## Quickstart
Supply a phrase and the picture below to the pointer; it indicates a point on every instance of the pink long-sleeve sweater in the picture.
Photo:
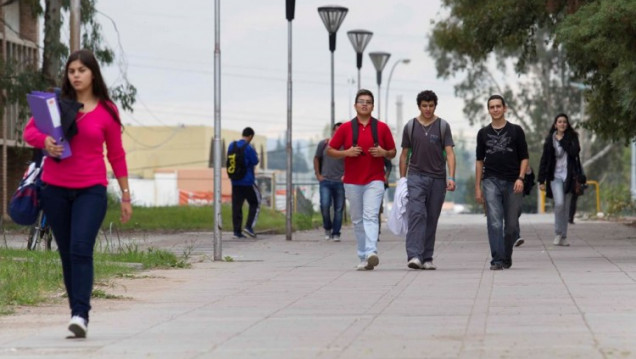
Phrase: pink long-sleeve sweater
(86, 166)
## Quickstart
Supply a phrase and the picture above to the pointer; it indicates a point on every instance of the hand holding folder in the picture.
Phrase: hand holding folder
(46, 114)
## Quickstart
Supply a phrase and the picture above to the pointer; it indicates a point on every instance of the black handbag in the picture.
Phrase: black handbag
(580, 180)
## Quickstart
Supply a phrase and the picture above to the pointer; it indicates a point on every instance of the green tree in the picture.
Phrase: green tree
(18, 79)
(553, 42)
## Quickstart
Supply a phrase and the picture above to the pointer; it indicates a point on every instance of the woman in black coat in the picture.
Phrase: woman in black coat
(557, 168)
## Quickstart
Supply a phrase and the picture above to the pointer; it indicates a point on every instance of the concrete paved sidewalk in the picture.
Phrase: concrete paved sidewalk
(303, 299)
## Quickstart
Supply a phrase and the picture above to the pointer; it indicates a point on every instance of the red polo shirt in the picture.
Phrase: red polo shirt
(365, 168)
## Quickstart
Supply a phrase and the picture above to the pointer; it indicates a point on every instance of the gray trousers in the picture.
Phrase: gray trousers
(426, 197)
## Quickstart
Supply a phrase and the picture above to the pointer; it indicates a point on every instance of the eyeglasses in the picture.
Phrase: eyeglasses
(364, 102)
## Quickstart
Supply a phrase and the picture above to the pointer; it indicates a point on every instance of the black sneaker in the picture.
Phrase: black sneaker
(497, 266)
(238, 235)
(249, 232)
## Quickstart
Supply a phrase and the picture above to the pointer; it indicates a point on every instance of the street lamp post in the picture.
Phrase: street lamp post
(332, 17)
(388, 84)
(379, 60)
(290, 7)
(359, 39)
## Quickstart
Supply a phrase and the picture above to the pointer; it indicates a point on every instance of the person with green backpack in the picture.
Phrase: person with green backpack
(427, 148)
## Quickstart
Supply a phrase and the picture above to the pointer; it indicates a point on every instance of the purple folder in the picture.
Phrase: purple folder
(46, 113)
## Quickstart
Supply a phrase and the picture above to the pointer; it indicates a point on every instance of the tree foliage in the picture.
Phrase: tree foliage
(549, 43)
(19, 79)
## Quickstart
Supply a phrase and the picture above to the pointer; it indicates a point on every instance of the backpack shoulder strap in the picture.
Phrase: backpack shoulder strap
(374, 131)
(442, 131)
(409, 130)
(354, 131)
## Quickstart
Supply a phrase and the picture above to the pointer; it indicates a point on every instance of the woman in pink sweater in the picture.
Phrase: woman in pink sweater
(73, 194)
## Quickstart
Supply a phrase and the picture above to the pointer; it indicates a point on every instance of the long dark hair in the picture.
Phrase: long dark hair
(568, 131)
(100, 90)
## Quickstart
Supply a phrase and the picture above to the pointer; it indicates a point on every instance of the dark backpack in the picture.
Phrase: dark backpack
(25, 205)
(374, 131)
(235, 163)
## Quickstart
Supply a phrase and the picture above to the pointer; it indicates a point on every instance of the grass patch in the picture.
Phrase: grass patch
(190, 218)
(32, 277)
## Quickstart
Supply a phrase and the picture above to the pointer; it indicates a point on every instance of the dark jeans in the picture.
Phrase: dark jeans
(332, 192)
(239, 195)
(502, 212)
(572, 208)
(75, 216)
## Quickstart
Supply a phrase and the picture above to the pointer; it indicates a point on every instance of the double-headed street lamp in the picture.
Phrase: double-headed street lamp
(379, 60)
(388, 83)
(359, 39)
(332, 17)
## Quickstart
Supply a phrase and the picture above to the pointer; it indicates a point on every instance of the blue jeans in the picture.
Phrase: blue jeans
(502, 213)
(75, 216)
(332, 192)
(426, 197)
(365, 203)
(561, 207)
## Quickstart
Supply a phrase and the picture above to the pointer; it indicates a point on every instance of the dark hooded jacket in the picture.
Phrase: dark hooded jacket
(569, 143)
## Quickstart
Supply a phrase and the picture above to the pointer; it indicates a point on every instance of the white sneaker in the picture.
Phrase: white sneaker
(519, 242)
(429, 266)
(564, 243)
(414, 263)
(78, 326)
(557, 240)
(364, 265)
(327, 234)
(373, 260)
(336, 238)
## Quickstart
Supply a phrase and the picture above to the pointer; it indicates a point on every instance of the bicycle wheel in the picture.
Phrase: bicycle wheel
(47, 236)
(35, 233)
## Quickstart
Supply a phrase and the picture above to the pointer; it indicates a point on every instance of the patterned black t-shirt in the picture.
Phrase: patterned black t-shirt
(502, 151)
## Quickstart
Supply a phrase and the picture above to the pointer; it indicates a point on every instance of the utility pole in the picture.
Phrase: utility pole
(75, 25)
(218, 219)
(290, 8)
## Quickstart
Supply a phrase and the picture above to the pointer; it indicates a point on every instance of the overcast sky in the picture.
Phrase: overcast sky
(168, 48)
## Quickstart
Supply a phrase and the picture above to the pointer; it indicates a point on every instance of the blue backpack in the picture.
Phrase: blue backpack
(25, 205)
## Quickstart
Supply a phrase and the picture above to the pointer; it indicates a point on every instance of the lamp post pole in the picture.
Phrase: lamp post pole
(388, 84)
(290, 6)
(332, 17)
(218, 221)
(75, 25)
(359, 39)
(379, 60)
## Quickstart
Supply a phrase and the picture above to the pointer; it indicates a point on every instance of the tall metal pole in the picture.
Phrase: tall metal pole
(633, 170)
(333, 101)
(379, 60)
(290, 7)
(359, 40)
(332, 17)
(388, 84)
(218, 219)
(75, 25)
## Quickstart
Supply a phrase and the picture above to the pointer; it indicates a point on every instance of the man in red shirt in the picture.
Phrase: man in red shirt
(364, 173)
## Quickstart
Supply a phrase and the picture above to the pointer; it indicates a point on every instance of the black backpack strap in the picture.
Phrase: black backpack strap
(374, 131)
(354, 131)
